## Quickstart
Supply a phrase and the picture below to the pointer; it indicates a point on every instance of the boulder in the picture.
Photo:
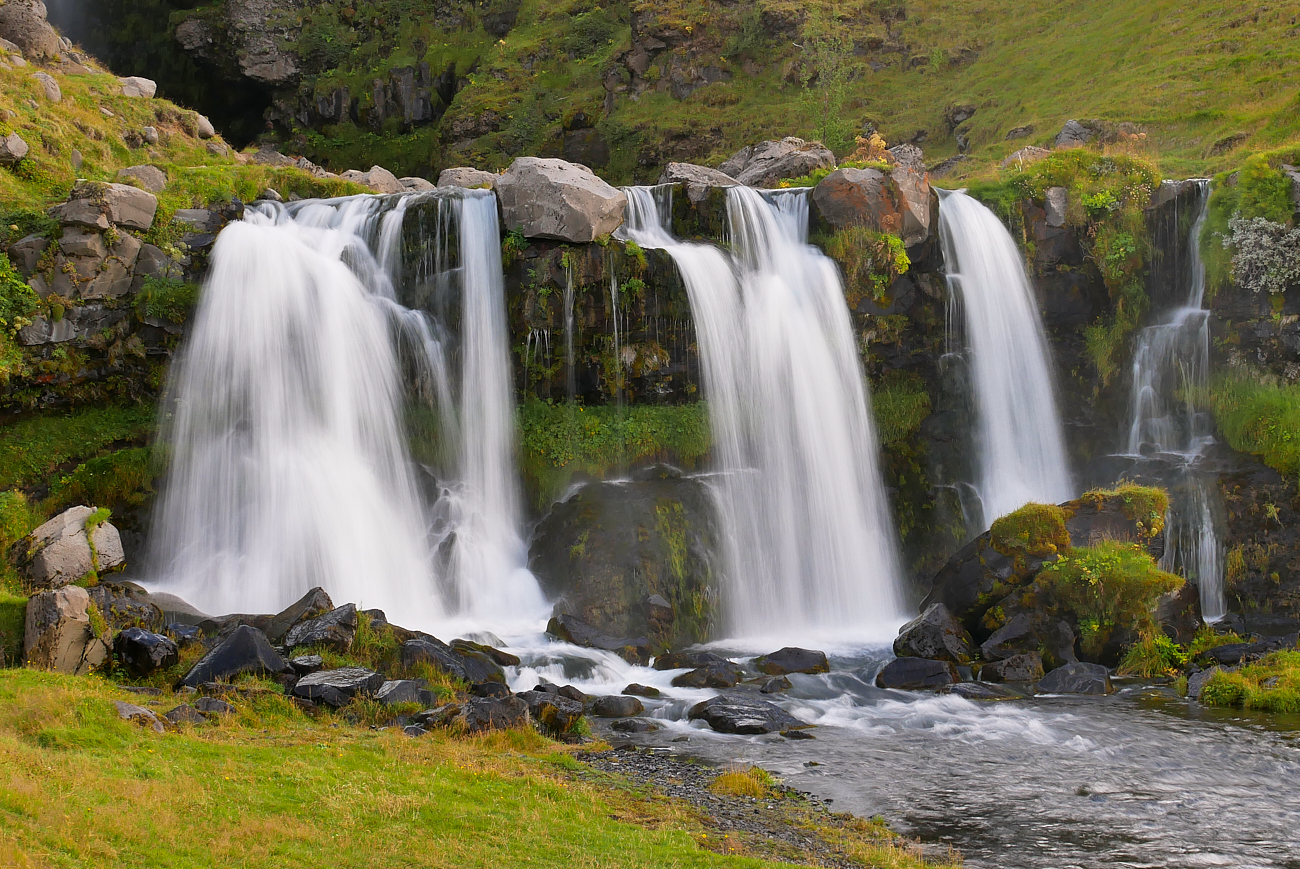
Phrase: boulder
(245, 650)
(185, 714)
(213, 706)
(83, 242)
(23, 23)
(765, 164)
(549, 198)
(501, 658)
(1026, 667)
(1056, 200)
(490, 689)
(311, 605)
(305, 665)
(745, 714)
(464, 176)
(58, 634)
(1073, 135)
(860, 197)
(203, 127)
(691, 658)
(377, 179)
(335, 630)
(697, 179)
(554, 712)
(775, 685)
(634, 725)
(634, 559)
(934, 634)
(50, 86)
(616, 706)
(138, 86)
(917, 203)
(916, 674)
(1025, 156)
(636, 690)
(478, 666)
(139, 715)
(405, 691)
(26, 253)
(1233, 654)
(150, 136)
(1076, 678)
(1196, 682)
(573, 630)
(792, 660)
(981, 691)
(12, 149)
(125, 205)
(58, 552)
(723, 675)
(338, 688)
(144, 652)
(1179, 613)
(185, 635)
(416, 185)
(440, 716)
(482, 714)
(434, 652)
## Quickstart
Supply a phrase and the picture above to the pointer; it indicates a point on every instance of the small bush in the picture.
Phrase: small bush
(1208, 638)
(1153, 655)
(900, 402)
(743, 782)
(1266, 254)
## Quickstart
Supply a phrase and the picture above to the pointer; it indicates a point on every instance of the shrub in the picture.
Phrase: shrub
(17, 304)
(1107, 586)
(1153, 655)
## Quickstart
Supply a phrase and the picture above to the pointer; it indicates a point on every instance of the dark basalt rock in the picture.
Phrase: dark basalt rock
(637, 690)
(691, 658)
(481, 714)
(792, 660)
(634, 725)
(463, 663)
(797, 734)
(1026, 667)
(314, 603)
(184, 635)
(440, 716)
(478, 666)
(125, 605)
(213, 706)
(185, 714)
(574, 630)
(1076, 678)
(553, 712)
(573, 694)
(1196, 682)
(405, 691)
(144, 652)
(935, 634)
(503, 659)
(245, 650)
(916, 674)
(745, 714)
(981, 691)
(1232, 654)
(490, 689)
(616, 706)
(305, 665)
(339, 687)
(775, 685)
(723, 675)
(335, 630)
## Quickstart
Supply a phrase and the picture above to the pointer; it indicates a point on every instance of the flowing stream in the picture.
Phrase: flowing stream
(809, 541)
(1020, 448)
(1171, 366)
(287, 429)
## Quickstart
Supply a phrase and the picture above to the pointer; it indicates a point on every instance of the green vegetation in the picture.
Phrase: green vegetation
(558, 441)
(168, 299)
(871, 261)
(18, 302)
(900, 402)
(751, 781)
(1110, 585)
(1258, 415)
(32, 447)
(1034, 529)
(1146, 506)
(13, 620)
(1208, 638)
(119, 480)
(1270, 685)
(1152, 656)
(1258, 189)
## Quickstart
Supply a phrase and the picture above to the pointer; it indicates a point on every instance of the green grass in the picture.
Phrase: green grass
(13, 619)
(1258, 415)
(1153, 655)
(1034, 529)
(558, 441)
(33, 447)
(900, 402)
(1271, 685)
(271, 786)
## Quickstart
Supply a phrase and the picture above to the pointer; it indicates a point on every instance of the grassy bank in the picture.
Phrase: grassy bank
(1257, 415)
(271, 786)
(1270, 685)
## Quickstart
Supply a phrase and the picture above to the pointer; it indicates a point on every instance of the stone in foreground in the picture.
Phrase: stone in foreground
(335, 630)
(792, 660)
(1076, 678)
(245, 650)
(144, 652)
(720, 675)
(615, 706)
(481, 714)
(338, 688)
(554, 712)
(58, 552)
(58, 634)
(916, 674)
(934, 634)
(139, 715)
(1026, 667)
(744, 714)
(766, 163)
(548, 198)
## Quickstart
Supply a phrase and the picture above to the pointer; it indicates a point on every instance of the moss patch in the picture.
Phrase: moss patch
(1146, 506)
(1034, 529)
(1271, 685)
(900, 403)
(1258, 415)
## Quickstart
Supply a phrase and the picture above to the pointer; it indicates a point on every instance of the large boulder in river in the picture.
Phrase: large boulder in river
(792, 660)
(936, 634)
(570, 629)
(745, 714)
(1076, 678)
(544, 197)
(59, 634)
(58, 552)
(916, 674)
(634, 558)
(767, 163)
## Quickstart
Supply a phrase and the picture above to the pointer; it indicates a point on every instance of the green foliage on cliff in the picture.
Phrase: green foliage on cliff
(17, 304)
(1258, 415)
(1257, 188)
(1270, 685)
(168, 299)
(900, 403)
(870, 261)
(119, 480)
(559, 441)
(32, 447)
(1145, 506)
(1111, 585)
(1034, 529)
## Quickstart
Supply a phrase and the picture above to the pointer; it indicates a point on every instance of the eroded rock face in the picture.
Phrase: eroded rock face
(1026, 667)
(58, 633)
(767, 163)
(699, 180)
(58, 552)
(481, 714)
(899, 201)
(548, 198)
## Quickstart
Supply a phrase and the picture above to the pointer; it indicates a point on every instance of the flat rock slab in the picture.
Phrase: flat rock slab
(338, 688)
(742, 713)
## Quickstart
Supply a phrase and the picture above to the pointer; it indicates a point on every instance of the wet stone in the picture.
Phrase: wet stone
(916, 674)
(617, 706)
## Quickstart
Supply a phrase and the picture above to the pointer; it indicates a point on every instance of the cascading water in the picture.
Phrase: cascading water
(808, 536)
(1171, 364)
(288, 460)
(1021, 450)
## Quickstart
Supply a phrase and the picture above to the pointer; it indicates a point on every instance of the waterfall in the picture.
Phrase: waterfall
(289, 463)
(809, 541)
(1019, 442)
(1171, 364)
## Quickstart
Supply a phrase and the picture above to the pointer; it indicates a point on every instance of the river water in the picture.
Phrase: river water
(1142, 778)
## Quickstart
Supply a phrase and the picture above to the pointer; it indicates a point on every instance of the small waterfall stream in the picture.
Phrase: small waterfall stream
(1020, 447)
(810, 546)
(289, 461)
(1171, 365)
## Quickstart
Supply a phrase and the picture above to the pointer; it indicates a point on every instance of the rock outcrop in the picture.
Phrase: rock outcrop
(464, 176)
(23, 22)
(245, 650)
(768, 163)
(548, 198)
(937, 634)
(60, 634)
(59, 552)
(698, 180)
(898, 201)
